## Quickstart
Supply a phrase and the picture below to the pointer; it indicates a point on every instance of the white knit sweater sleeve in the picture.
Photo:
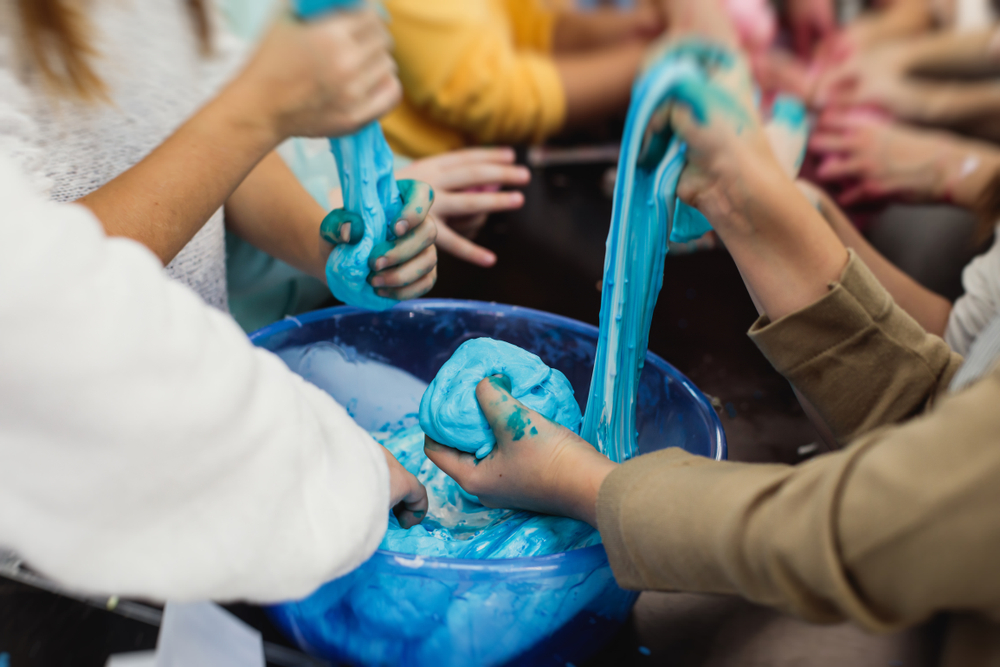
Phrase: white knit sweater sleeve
(980, 303)
(146, 448)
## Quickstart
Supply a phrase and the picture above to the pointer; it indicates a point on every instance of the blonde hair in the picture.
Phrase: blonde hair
(58, 40)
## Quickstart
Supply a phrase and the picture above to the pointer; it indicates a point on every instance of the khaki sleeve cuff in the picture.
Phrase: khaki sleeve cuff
(860, 359)
(851, 305)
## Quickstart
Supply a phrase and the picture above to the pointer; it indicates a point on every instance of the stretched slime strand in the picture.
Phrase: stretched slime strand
(365, 165)
(645, 213)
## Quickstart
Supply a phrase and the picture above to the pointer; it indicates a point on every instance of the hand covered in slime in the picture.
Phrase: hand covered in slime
(405, 267)
(450, 415)
(536, 465)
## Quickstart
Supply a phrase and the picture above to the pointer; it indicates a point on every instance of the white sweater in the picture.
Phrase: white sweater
(156, 77)
(146, 448)
(980, 304)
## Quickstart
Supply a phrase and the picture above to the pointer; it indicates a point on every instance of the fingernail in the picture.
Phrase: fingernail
(376, 259)
(345, 232)
(401, 227)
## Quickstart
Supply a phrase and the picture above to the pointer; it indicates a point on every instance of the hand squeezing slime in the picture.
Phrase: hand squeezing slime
(450, 413)
(371, 197)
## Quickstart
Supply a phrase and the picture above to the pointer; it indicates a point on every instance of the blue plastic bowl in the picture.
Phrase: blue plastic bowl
(399, 609)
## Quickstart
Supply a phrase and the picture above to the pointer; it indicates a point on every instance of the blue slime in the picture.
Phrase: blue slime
(365, 165)
(450, 413)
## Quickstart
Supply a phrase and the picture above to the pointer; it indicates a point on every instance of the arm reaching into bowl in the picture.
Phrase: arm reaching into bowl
(154, 451)
(886, 532)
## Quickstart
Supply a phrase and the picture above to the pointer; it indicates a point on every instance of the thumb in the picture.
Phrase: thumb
(342, 226)
(453, 462)
(506, 415)
(455, 244)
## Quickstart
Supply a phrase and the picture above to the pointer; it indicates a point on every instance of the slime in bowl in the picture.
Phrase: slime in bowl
(401, 609)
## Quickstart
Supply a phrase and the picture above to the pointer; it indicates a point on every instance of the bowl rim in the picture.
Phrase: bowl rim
(569, 562)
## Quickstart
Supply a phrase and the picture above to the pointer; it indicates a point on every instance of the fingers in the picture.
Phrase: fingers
(862, 192)
(467, 156)
(342, 226)
(414, 290)
(832, 142)
(467, 226)
(381, 100)
(388, 254)
(458, 465)
(837, 168)
(412, 509)
(449, 241)
(507, 417)
(456, 204)
(390, 281)
(417, 200)
(476, 174)
(407, 496)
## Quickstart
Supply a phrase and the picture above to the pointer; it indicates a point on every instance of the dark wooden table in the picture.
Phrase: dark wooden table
(551, 258)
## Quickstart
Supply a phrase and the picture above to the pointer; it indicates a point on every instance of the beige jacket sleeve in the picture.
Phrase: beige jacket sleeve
(860, 359)
(903, 523)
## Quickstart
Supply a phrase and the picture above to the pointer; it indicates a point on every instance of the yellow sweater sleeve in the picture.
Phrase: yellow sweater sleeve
(461, 66)
(533, 24)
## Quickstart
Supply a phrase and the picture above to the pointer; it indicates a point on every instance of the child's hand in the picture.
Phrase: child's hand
(325, 78)
(873, 78)
(405, 268)
(536, 465)
(467, 183)
(407, 496)
(879, 159)
(728, 149)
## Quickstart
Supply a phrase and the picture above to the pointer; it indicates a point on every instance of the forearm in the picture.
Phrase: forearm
(599, 83)
(786, 254)
(581, 31)
(165, 199)
(878, 533)
(272, 211)
(930, 310)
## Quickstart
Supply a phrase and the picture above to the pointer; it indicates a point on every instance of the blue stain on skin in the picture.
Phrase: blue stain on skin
(517, 421)
(502, 382)
(534, 431)
(331, 227)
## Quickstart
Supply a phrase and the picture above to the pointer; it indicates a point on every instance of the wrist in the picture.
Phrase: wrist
(251, 116)
(580, 483)
(970, 173)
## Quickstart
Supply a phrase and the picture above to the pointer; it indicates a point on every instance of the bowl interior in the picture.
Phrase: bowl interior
(418, 337)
